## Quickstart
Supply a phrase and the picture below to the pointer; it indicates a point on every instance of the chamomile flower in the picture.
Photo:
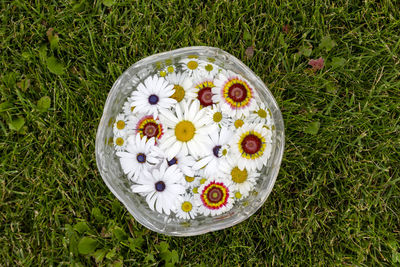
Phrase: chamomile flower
(234, 93)
(153, 95)
(183, 86)
(203, 88)
(215, 116)
(237, 122)
(261, 115)
(142, 154)
(129, 108)
(184, 163)
(208, 69)
(252, 146)
(217, 152)
(161, 188)
(214, 197)
(146, 125)
(191, 66)
(166, 71)
(243, 180)
(186, 207)
(187, 130)
(120, 142)
(120, 126)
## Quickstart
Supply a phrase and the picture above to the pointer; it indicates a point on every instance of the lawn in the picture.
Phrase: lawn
(336, 199)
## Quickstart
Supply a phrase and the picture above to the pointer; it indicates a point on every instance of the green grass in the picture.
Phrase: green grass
(336, 199)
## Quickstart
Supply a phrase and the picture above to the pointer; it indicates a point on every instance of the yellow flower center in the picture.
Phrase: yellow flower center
(238, 195)
(189, 179)
(238, 123)
(239, 176)
(192, 65)
(184, 131)
(203, 180)
(179, 93)
(186, 206)
(132, 108)
(193, 56)
(163, 73)
(217, 117)
(262, 113)
(195, 190)
(208, 67)
(120, 125)
(170, 69)
(119, 141)
(224, 152)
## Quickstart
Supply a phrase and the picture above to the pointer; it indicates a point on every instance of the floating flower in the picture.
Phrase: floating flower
(129, 108)
(214, 197)
(184, 163)
(203, 88)
(147, 126)
(261, 115)
(234, 94)
(168, 70)
(142, 154)
(161, 187)
(153, 95)
(208, 69)
(252, 146)
(243, 180)
(191, 66)
(216, 116)
(188, 130)
(186, 207)
(120, 142)
(120, 126)
(217, 152)
(182, 85)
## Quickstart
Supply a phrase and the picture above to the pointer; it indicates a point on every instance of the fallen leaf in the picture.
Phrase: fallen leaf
(55, 66)
(337, 62)
(249, 52)
(313, 128)
(316, 64)
(286, 28)
(327, 43)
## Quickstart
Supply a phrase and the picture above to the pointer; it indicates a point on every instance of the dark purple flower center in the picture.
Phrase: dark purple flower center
(153, 99)
(216, 151)
(172, 161)
(160, 186)
(141, 157)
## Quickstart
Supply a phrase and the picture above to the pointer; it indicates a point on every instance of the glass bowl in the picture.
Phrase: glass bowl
(111, 172)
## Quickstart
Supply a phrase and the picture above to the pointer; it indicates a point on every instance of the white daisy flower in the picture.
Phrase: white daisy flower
(203, 87)
(234, 93)
(261, 115)
(243, 180)
(146, 125)
(214, 197)
(237, 196)
(184, 162)
(129, 108)
(183, 86)
(252, 145)
(217, 152)
(161, 187)
(237, 122)
(120, 142)
(120, 126)
(153, 96)
(208, 68)
(188, 130)
(191, 66)
(141, 154)
(186, 207)
(215, 116)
